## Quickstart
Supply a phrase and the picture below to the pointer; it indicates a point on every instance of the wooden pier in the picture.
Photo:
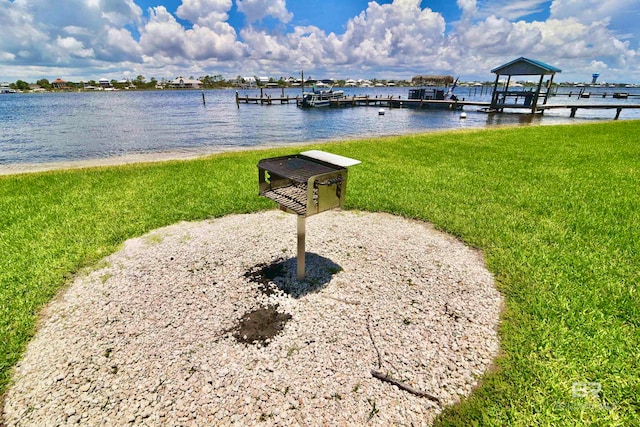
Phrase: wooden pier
(363, 101)
(588, 93)
(269, 100)
(399, 102)
(574, 108)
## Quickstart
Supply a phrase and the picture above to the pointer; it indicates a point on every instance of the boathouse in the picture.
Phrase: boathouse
(508, 97)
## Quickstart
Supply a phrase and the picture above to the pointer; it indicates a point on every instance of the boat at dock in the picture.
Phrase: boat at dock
(320, 98)
(440, 95)
(6, 88)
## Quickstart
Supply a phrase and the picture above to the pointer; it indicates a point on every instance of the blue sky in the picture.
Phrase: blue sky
(92, 39)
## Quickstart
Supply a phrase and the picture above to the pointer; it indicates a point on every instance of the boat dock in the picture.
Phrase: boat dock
(362, 101)
(574, 108)
(399, 102)
(269, 100)
(587, 93)
(540, 109)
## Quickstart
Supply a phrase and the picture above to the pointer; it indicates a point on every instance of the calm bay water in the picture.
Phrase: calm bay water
(66, 127)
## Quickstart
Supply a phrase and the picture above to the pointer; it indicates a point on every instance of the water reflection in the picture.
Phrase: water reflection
(498, 119)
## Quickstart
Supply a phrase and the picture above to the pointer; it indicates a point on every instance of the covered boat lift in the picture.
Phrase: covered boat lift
(509, 98)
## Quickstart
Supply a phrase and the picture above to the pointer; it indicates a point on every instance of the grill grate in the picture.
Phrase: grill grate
(293, 197)
(297, 169)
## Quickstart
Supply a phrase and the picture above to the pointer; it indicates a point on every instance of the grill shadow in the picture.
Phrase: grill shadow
(281, 275)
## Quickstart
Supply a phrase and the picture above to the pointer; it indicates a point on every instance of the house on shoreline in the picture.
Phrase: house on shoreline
(182, 83)
(59, 84)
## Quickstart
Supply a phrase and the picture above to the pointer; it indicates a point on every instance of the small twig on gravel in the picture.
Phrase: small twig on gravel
(384, 377)
(373, 342)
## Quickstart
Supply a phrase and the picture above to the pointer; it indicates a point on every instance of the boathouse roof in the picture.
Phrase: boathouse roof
(525, 67)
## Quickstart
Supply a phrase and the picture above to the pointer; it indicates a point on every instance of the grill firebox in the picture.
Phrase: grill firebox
(305, 184)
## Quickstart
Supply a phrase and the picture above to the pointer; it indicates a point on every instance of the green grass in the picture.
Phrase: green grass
(555, 209)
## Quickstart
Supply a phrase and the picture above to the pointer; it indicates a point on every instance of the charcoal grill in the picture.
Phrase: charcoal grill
(305, 184)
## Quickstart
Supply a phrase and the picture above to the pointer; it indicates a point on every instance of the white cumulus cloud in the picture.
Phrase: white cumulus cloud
(255, 10)
(467, 7)
(165, 37)
(389, 35)
(120, 12)
(162, 34)
(204, 12)
(75, 35)
(587, 11)
(567, 43)
(69, 46)
(121, 41)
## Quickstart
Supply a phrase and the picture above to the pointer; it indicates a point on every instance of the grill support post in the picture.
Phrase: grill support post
(301, 245)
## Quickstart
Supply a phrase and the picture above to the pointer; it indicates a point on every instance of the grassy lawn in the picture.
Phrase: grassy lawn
(555, 209)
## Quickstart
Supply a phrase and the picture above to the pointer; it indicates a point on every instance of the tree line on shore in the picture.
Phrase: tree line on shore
(208, 82)
(140, 82)
(212, 82)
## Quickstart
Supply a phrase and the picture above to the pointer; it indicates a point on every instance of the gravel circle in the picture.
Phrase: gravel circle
(160, 333)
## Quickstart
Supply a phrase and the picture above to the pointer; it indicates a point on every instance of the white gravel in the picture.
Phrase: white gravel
(147, 338)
